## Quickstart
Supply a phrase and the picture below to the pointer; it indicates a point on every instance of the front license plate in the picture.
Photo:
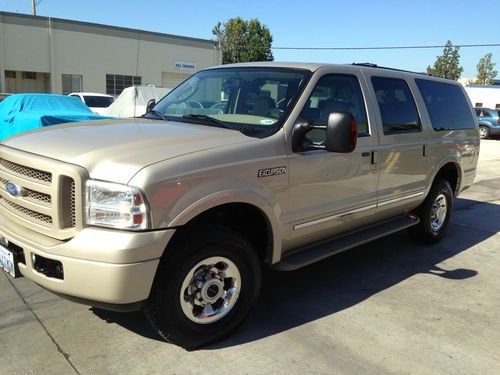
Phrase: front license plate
(7, 261)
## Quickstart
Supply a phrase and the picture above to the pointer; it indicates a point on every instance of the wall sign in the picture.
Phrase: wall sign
(185, 65)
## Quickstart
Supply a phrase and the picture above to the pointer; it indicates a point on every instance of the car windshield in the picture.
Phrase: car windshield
(254, 100)
(98, 101)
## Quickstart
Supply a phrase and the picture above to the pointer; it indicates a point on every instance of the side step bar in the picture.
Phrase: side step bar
(312, 254)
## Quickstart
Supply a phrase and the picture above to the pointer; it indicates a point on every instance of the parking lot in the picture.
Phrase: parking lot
(390, 306)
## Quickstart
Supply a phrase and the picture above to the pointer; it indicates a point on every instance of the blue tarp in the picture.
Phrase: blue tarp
(22, 112)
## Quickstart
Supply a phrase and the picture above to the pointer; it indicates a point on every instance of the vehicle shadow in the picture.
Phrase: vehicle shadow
(291, 299)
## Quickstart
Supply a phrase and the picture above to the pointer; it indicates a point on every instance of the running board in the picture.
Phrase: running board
(312, 254)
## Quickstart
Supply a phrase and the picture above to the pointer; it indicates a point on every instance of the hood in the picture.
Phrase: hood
(115, 150)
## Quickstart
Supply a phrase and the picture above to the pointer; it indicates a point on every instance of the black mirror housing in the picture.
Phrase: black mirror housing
(150, 105)
(341, 132)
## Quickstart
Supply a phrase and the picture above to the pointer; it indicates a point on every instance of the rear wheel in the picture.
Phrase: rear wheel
(205, 288)
(434, 214)
(484, 132)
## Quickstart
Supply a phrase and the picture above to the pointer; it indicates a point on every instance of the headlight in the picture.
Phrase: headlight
(116, 206)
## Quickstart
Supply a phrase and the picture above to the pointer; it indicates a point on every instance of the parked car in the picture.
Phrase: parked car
(22, 112)
(133, 100)
(489, 122)
(96, 102)
(176, 213)
(3, 96)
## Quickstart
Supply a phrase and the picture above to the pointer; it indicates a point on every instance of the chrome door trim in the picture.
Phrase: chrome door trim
(390, 201)
(333, 217)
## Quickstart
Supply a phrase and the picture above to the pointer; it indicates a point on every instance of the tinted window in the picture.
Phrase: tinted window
(335, 93)
(98, 101)
(396, 104)
(447, 106)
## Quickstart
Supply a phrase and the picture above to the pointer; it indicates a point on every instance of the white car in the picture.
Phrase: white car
(132, 102)
(96, 102)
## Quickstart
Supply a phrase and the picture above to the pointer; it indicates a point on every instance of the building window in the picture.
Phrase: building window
(71, 83)
(497, 106)
(10, 74)
(115, 83)
(29, 75)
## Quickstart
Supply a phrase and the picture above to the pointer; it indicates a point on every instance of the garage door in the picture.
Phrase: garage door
(170, 80)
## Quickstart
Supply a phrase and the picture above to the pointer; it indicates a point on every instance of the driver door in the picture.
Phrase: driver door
(334, 192)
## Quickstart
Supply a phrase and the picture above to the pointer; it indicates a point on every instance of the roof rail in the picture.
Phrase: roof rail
(371, 65)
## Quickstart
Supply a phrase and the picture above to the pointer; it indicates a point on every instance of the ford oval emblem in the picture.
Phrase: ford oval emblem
(14, 189)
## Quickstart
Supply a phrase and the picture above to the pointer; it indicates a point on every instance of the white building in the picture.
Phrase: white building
(484, 96)
(43, 54)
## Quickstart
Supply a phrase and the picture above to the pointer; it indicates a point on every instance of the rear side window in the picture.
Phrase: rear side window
(397, 106)
(447, 106)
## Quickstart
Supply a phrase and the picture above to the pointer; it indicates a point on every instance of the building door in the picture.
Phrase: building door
(171, 80)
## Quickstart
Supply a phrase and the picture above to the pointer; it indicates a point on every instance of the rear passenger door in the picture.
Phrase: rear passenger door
(404, 162)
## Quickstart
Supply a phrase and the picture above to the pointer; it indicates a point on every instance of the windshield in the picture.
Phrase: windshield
(252, 100)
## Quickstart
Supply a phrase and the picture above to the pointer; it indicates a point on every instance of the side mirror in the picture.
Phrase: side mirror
(341, 134)
(150, 105)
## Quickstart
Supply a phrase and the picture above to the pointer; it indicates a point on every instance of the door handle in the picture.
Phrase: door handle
(365, 154)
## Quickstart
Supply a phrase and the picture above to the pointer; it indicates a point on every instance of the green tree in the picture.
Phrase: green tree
(485, 71)
(243, 41)
(448, 64)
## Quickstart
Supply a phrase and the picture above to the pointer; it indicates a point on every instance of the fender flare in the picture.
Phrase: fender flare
(270, 210)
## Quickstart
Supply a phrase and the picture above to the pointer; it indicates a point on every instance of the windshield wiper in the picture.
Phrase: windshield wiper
(208, 120)
(157, 113)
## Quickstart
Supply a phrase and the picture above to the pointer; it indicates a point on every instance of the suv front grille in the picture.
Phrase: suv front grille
(31, 173)
(49, 202)
(27, 213)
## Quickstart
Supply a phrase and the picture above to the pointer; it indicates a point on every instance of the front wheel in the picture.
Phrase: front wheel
(434, 214)
(484, 132)
(205, 288)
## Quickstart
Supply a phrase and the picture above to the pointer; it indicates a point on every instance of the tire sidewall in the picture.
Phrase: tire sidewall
(171, 319)
(441, 187)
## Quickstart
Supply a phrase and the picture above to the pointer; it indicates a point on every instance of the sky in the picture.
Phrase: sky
(311, 23)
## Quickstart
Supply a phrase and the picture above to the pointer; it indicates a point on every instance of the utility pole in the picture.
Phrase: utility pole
(34, 3)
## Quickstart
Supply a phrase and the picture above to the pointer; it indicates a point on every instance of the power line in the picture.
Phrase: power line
(385, 47)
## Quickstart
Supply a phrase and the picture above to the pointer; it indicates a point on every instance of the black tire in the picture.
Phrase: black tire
(484, 132)
(431, 230)
(163, 308)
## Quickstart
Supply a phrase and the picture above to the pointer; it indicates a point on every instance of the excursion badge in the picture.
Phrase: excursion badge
(268, 172)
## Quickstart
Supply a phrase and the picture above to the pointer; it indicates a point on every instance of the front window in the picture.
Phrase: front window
(255, 101)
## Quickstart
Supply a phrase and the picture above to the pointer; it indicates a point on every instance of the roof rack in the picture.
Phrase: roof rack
(371, 65)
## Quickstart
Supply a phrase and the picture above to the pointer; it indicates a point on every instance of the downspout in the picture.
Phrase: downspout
(52, 58)
(2, 55)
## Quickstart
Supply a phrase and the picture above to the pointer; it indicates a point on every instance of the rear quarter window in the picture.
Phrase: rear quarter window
(446, 104)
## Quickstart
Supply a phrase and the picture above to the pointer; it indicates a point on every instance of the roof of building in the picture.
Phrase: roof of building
(95, 28)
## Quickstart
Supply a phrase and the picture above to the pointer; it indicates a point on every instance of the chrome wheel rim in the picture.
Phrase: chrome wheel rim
(210, 290)
(483, 132)
(439, 212)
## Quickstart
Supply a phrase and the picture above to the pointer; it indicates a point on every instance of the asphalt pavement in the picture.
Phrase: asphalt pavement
(388, 307)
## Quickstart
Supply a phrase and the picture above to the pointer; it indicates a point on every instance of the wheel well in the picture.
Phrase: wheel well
(449, 172)
(243, 218)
